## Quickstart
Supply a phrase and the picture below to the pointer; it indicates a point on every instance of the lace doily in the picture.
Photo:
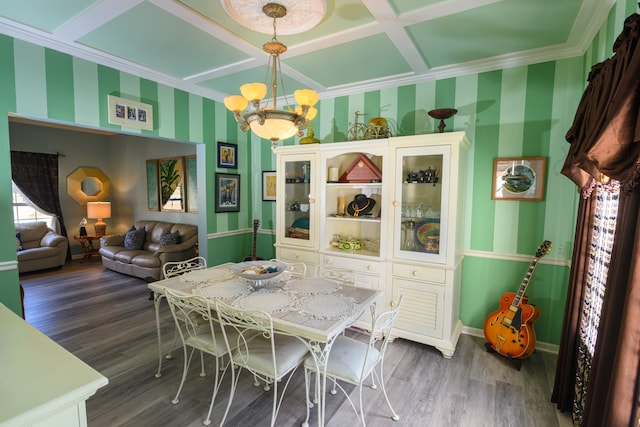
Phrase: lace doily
(228, 289)
(328, 307)
(207, 276)
(274, 281)
(311, 286)
(269, 301)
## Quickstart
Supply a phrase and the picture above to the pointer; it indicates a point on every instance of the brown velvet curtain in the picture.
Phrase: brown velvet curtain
(605, 140)
(36, 175)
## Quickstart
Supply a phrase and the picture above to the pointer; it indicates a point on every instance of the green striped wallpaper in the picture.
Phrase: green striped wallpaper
(520, 111)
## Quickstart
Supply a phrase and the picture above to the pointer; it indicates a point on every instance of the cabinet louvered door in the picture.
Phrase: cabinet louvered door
(421, 309)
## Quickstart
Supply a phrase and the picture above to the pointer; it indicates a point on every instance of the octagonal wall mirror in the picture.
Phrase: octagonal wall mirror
(88, 185)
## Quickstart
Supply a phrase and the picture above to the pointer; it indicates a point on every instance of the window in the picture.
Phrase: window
(603, 232)
(25, 211)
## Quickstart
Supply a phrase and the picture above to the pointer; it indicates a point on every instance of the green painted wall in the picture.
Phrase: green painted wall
(520, 111)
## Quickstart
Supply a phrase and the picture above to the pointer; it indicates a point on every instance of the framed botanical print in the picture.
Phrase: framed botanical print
(227, 155)
(519, 178)
(227, 192)
(172, 190)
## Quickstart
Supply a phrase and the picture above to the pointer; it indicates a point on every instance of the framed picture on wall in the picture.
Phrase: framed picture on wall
(152, 185)
(519, 178)
(172, 189)
(269, 186)
(227, 192)
(133, 114)
(191, 188)
(227, 155)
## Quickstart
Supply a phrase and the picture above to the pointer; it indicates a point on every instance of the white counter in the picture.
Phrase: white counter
(41, 383)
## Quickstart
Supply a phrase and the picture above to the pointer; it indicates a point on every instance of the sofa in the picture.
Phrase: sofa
(38, 247)
(143, 250)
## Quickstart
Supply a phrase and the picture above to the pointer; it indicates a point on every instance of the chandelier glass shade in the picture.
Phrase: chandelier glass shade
(268, 121)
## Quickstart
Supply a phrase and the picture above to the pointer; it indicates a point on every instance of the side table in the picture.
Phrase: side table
(86, 243)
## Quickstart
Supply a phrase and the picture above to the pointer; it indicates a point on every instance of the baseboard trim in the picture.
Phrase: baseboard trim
(540, 346)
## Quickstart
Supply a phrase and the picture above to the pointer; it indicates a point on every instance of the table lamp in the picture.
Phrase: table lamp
(99, 210)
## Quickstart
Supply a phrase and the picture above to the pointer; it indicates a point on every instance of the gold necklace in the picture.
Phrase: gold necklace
(356, 211)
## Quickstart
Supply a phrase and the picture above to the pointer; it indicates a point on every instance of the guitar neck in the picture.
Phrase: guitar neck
(256, 224)
(525, 282)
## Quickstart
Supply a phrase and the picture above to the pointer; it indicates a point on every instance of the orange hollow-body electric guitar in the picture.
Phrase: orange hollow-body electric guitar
(509, 330)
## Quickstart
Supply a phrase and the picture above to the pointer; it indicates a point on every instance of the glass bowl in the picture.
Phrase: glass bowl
(258, 271)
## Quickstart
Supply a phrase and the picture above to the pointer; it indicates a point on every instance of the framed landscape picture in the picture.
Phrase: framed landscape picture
(519, 178)
(227, 192)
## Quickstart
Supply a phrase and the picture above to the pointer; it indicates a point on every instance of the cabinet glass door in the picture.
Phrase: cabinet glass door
(421, 195)
(297, 203)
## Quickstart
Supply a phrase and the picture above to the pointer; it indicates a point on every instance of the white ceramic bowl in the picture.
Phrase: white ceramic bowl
(248, 269)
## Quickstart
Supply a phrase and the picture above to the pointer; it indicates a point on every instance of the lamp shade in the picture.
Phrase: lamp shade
(253, 91)
(306, 97)
(235, 102)
(311, 113)
(99, 210)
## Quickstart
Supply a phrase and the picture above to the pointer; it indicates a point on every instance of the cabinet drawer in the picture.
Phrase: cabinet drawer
(371, 267)
(435, 275)
(297, 255)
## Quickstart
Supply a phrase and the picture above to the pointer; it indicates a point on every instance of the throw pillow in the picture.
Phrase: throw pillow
(134, 239)
(169, 238)
(18, 242)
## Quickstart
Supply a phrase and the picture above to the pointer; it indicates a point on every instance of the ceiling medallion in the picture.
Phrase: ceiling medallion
(267, 121)
(302, 15)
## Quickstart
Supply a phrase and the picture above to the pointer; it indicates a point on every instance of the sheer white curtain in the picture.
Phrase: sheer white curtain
(24, 210)
(604, 229)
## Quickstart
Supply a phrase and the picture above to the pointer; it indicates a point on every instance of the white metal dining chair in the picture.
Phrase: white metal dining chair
(344, 277)
(175, 268)
(353, 361)
(254, 345)
(298, 270)
(198, 330)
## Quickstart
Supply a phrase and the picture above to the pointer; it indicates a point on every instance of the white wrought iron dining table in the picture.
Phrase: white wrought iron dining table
(314, 309)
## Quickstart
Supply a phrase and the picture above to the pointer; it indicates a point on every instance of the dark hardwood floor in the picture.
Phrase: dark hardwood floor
(107, 320)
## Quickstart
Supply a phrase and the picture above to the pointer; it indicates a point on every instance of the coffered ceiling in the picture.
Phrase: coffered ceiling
(359, 44)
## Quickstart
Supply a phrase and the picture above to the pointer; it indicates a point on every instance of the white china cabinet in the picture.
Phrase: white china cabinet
(383, 214)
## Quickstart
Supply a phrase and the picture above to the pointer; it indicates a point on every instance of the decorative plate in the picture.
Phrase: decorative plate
(311, 286)
(426, 230)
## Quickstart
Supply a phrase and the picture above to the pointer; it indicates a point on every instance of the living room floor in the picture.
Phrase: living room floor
(107, 320)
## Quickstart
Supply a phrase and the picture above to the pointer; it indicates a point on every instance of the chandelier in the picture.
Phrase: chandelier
(267, 121)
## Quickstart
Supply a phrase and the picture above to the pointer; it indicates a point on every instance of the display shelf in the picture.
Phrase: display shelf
(356, 185)
(357, 253)
(352, 219)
